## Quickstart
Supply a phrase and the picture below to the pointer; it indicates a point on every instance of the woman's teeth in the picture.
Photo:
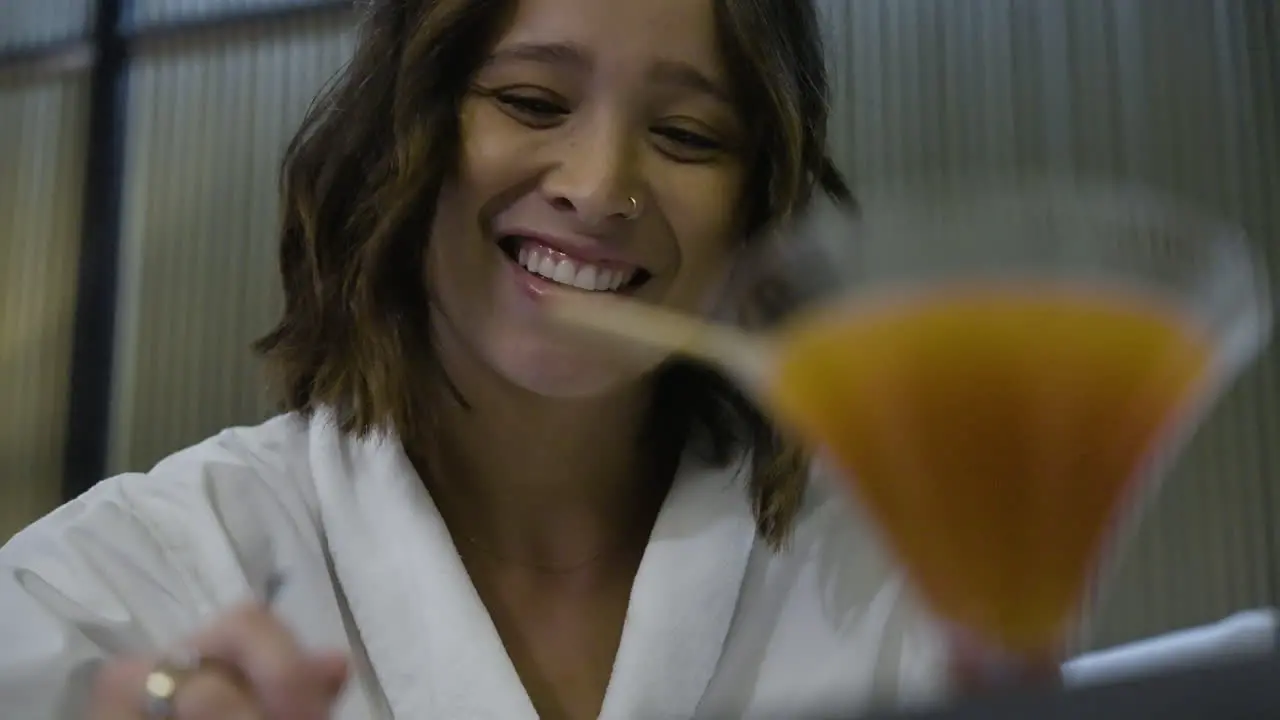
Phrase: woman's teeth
(574, 273)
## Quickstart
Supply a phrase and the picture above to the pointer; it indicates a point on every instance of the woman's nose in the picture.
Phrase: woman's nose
(595, 176)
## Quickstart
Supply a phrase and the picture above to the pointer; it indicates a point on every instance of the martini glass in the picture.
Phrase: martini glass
(994, 372)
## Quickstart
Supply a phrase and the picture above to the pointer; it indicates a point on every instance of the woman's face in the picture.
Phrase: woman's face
(600, 151)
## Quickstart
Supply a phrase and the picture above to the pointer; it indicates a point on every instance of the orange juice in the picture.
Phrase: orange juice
(993, 435)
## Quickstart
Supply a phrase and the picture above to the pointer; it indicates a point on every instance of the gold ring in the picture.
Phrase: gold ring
(635, 209)
(162, 684)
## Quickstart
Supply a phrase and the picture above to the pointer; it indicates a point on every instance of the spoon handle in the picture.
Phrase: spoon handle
(736, 351)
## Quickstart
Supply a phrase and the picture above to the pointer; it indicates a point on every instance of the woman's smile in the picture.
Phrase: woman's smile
(568, 263)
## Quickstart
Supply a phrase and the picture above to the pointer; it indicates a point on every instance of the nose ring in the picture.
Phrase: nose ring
(634, 211)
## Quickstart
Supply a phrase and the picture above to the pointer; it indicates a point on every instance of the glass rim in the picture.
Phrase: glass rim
(1224, 284)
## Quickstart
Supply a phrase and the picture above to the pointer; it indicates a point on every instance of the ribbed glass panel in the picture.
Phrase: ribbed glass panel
(1177, 94)
(42, 153)
(149, 12)
(25, 23)
(199, 282)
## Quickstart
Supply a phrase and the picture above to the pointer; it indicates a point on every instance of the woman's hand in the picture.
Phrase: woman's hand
(249, 666)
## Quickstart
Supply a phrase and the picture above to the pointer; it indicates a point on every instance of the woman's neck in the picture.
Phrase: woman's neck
(545, 483)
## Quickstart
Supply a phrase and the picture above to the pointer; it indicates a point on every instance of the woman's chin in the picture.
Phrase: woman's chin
(556, 369)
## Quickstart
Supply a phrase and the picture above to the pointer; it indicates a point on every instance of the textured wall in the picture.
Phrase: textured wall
(42, 118)
(24, 23)
(208, 124)
(42, 131)
(1179, 95)
(149, 12)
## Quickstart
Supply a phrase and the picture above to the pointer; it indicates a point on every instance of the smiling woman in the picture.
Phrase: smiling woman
(488, 517)
(581, 144)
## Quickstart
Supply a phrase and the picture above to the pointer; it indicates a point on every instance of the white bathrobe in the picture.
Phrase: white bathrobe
(718, 624)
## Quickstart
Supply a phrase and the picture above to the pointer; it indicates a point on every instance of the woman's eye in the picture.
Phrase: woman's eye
(687, 145)
(538, 110)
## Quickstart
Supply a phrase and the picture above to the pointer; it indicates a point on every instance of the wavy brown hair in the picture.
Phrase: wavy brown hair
(360, 182)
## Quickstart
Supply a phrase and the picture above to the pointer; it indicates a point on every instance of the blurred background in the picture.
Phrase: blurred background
(140, 141)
